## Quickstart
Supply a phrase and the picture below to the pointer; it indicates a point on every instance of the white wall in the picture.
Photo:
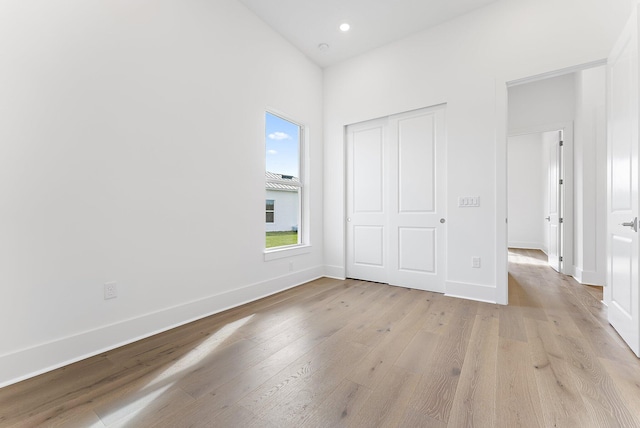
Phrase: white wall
(590, 176)
(466, 64)
(540, 103)
(120, 122)
(526, 185)
(285, 213)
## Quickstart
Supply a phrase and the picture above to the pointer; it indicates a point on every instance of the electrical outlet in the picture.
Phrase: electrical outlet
(110, 290)
(475, 262)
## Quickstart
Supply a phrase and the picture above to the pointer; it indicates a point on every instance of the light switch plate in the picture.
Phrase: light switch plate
(468, 201)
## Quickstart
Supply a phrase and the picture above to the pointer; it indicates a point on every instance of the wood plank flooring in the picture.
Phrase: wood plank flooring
(351, 353)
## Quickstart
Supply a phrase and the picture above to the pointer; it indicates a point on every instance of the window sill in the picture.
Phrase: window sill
(281, 253)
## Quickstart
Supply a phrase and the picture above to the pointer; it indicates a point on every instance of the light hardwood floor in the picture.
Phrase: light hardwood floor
(351, 353)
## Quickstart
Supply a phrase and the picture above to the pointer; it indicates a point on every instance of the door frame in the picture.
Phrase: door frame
(566, 190)
(502, 131)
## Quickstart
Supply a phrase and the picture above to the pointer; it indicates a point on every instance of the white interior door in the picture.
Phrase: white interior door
(366, 201)
(396, 200)
(621, 292)
(417, 199)
(554, 216)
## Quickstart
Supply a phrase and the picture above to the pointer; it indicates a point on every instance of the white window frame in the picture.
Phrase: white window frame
(303, 246)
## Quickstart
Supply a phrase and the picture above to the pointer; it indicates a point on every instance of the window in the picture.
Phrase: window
(270, 210)
(283, 183)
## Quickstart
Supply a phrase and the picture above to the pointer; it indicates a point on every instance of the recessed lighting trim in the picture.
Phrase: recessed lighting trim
(344, 27)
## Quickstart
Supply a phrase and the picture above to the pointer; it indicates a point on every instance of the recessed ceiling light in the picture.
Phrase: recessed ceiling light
(345, 27)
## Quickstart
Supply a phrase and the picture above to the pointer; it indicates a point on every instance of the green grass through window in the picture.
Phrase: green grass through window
(278, 239)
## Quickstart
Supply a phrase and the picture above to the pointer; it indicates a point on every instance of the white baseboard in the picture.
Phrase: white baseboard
(526, 245)
(588, 277)
(465, 290)
(577, 275)
(30, 362)
(336, 272)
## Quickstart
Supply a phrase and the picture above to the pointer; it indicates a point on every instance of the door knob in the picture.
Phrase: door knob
(548, 218)
(632, 224)
(442, 220)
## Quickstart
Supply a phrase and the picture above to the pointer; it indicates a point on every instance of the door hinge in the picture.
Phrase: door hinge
(560, 258)
(561, 143)
(561, 181)
(561, 220)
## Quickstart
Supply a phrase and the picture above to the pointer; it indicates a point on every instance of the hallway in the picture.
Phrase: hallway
(584, 372)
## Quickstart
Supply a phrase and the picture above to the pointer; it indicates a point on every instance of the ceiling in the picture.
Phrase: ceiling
(309, 23)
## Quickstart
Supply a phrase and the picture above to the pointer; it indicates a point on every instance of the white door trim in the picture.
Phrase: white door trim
(557, 73)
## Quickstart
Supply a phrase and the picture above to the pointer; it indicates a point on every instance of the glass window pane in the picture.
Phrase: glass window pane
(283, 184)
(285, 227)
(282, 146)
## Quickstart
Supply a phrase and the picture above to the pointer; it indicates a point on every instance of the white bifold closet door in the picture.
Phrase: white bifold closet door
(396, 199)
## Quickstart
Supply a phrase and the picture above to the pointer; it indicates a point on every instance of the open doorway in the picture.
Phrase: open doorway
(606, 204)
(568, 106)
(536, 195)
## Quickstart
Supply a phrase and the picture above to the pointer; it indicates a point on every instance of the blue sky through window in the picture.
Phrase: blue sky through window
(283, 145)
